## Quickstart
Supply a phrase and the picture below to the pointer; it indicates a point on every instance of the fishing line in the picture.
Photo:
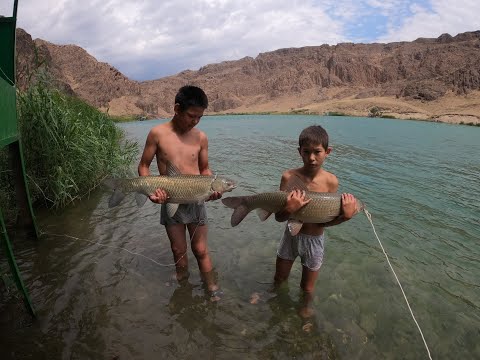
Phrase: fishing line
(129, 251)
(369, 217)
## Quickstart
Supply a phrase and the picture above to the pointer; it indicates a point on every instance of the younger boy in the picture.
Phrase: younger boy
(180, 143)
(309, 242)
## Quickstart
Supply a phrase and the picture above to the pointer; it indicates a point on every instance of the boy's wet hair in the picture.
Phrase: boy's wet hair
(190, 95)
(313, 135)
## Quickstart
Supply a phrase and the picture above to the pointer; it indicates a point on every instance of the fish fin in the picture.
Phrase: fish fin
(171, 209)
(116, 198)
(172, 170)
(294, 182)
(140, 199)
(263, 214)
(294, 226)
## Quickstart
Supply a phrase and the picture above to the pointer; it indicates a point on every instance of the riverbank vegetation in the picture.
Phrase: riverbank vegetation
(69, 147)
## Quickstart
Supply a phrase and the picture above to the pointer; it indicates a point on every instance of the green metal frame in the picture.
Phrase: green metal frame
(9, 137)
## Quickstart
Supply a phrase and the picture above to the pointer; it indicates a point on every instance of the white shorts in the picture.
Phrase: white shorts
(310, 248)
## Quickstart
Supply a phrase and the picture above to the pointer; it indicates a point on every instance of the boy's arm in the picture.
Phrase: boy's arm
(296, 199)
(203, 164)
(159, 196)
(349, 206)
(203, 157)
(349, 209)
(148, 154)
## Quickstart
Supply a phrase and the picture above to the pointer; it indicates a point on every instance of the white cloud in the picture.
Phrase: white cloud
(446, 16)
(149, 39)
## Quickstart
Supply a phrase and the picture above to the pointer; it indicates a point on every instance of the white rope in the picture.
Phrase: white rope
(369, 217)
(11, 82)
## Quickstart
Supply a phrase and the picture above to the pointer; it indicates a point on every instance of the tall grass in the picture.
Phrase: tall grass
(69, 146)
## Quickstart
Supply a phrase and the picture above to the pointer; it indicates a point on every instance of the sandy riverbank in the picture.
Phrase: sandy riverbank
(451, 108)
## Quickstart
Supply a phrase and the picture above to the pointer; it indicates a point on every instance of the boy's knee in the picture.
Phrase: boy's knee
(200, 252)
(178, 249)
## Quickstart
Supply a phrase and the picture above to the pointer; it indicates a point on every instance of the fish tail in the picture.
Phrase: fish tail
(116, 198)
(117, 195)
(239, 205)
(233, 201)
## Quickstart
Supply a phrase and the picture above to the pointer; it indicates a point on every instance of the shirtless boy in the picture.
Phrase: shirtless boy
(180, 143)
(309, 242)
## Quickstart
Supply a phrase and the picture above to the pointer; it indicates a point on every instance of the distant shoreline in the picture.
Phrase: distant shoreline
(454, 119)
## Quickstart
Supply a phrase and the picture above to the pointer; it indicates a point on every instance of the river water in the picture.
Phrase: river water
(100, 281)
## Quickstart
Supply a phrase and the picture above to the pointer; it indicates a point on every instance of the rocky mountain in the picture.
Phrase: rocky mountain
(425, 78)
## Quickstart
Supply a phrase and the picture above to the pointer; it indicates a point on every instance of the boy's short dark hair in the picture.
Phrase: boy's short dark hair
(190, 95)
(313, 135)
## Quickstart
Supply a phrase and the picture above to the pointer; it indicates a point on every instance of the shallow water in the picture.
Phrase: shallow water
(419, 180)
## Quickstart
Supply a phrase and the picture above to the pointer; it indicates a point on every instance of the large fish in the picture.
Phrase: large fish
(323, 207)
(180, 189)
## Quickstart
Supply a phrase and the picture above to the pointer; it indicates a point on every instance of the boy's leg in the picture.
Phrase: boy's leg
(178, 244)
(200, 250)
(308, 286)
(282, 270)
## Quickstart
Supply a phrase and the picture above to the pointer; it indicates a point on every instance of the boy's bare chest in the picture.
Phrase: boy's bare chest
(181, 152)
(318, 184)
(317, 187)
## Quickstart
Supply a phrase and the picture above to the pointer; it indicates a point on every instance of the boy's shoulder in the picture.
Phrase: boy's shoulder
(160, 128)
(287, 174)
(324, 178)
(329, 178)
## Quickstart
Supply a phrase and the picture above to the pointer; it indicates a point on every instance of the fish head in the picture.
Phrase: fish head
(222, 185)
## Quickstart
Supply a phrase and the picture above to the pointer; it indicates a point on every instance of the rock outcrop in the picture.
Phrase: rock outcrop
(424, 70)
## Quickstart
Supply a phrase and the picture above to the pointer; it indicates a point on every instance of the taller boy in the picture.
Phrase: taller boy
(180, 143)
(308, 244)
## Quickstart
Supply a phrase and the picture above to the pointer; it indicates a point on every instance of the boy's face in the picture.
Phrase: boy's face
(189, 118)
(313, 156)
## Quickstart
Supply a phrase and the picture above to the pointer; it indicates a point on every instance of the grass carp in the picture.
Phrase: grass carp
(180, 189)
(323, 207)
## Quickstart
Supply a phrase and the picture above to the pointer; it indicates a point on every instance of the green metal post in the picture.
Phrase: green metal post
(14, 268)
(9, 137)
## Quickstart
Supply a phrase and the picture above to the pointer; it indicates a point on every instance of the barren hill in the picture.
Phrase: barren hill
(427, 79)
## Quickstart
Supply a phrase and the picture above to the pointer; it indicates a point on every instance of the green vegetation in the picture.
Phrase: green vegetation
(69, 147)
(375, 112)
(469, 123)
(335, 113)
(127, 118)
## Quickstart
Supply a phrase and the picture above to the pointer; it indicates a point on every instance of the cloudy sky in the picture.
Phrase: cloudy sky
(149, 39)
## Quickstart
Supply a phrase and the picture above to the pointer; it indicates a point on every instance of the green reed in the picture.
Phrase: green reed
(69, 146)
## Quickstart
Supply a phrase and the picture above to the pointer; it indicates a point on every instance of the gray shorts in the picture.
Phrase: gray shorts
(186, 214)
(310, 248)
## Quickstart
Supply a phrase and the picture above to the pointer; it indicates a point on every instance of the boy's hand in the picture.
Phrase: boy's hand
(159, 196)
(349, 206)
(296, 200)
(215, 196)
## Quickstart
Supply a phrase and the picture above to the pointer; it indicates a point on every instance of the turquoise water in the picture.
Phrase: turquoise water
(420, 182)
